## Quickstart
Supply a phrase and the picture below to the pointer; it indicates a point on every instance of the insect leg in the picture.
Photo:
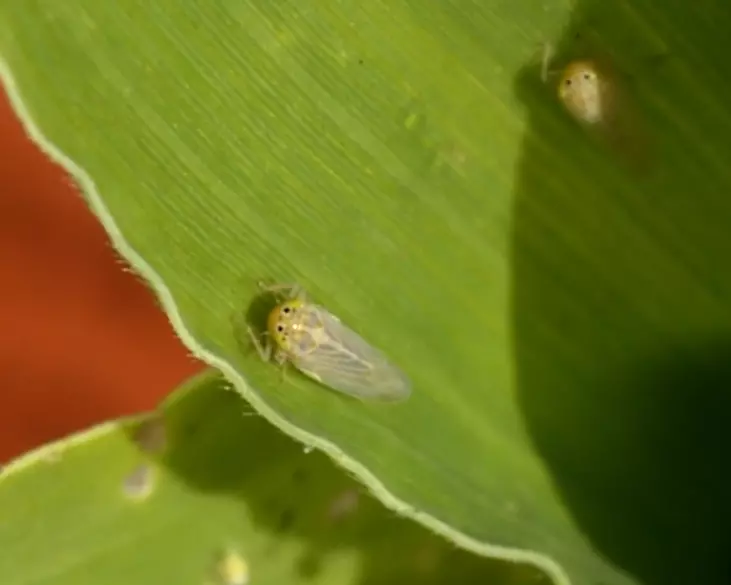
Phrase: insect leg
(264, 350)
(549, 52)
(281, 358)
(292, 290)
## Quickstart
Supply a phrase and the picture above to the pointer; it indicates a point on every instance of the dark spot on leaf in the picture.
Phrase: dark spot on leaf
(286, 520)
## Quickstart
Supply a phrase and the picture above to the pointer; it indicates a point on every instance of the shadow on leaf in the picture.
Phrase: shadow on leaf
(622, 304)
(291, 494)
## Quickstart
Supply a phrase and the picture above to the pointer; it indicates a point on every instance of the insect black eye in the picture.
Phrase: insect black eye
(568, 82)
(286, 310)
(280, 328)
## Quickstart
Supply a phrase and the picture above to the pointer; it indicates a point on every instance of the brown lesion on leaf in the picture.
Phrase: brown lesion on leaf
(151, 435)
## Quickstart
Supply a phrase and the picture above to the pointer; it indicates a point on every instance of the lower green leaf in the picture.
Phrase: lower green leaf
(565, 322)
(197, 494)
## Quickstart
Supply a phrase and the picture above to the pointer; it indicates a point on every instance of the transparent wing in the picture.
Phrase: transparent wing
(345, 362)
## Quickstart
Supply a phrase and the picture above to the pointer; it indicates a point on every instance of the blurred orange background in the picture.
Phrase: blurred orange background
(82, 340)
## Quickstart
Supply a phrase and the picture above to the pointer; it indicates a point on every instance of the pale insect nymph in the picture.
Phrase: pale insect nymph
(587, 92)
(594, 93)
(585, 88)
(319, 345)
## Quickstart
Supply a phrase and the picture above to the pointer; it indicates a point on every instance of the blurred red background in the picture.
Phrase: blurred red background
(82, 340)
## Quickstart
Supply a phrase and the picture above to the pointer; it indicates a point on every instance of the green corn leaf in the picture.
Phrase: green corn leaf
(197, 494)
(564, 318)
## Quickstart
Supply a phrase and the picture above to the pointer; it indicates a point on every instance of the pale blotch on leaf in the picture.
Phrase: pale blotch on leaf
(150, 436)
(230, 568)
(411, 120)
(138, 484)
(453, 156)
(343, 505)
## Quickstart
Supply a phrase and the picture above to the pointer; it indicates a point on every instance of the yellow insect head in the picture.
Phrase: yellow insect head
(280, 320)
(580, 90)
